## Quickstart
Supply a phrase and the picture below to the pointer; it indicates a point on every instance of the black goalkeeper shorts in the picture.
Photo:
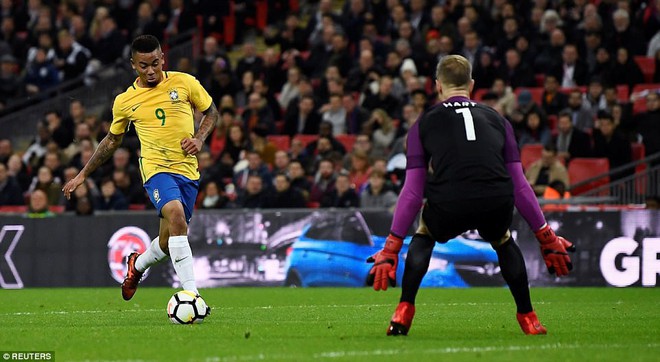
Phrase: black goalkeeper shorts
(491, 217)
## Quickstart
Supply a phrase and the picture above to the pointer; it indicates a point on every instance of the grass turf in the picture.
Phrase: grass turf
(334, 324)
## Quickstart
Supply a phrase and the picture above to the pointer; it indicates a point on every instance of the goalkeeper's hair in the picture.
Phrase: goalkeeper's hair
(144, 44)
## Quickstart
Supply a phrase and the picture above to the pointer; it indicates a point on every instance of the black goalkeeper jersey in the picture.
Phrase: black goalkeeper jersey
(467, 145)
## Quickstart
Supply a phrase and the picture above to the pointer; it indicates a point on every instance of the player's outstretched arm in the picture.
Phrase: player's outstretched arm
(106, 148)
(553, 247)
(194, 145)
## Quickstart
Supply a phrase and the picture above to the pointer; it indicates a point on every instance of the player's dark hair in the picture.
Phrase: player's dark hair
(144, 44)
(454, 71)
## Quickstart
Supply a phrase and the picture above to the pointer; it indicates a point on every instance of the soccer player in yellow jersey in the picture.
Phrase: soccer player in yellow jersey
(160, 105)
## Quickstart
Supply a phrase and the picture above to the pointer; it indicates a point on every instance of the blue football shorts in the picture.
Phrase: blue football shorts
(165, 187)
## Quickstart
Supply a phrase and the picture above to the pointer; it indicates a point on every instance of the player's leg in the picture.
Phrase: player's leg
(178, 213)
(157, 250)
(417, 264)
(512, 263)
(178, 244)
(136, 264)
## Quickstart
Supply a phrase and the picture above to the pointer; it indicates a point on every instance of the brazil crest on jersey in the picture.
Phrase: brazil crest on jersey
(162, 117)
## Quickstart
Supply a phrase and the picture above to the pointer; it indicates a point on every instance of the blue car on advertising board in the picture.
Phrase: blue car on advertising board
(332, 251)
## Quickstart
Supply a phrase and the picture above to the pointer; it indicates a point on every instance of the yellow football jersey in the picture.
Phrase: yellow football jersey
(162, 117)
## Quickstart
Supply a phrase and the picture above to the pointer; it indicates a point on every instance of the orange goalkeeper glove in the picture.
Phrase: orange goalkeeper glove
(385, 264)
(553, 249)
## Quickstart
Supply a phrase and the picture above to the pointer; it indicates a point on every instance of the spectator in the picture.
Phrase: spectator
(553, 100)
(335, 114)
(281, 163)
(72, 58)
(17, 169)
(53, 161)
(258, 113)
(60, 133)
(648, 125)
(506, 99)
(594, 99)
(625, 34)
(377, 194)
(625, 70)
(81, 201)
(324, 181)
(536, 130)
(580, 115)
(572, 71)
(298, 179)
(82, 132)
(110, 198)
(571, 142)
(484, 71)
(237, 143)
(212, 197)
(363, 73)
(10, 82)
(525, 106)
(255, 166)
(263, 146)
(109, 45)
(218, 139)
(356, 116)
(253, 195)
(610, 143)
(290, 89)
(325, 131)
(383, 99)
(247, 82)
(383, 131)
(45, 181)
(41, 75)
(515, 73)
(303, 121)
(131, 189)
(146, 24)
(546, 170)
(6, 150)
(360, 170)
(10, 191)
(343, 195)
(285, 196)
(249, 61)
(550, 55)
(38, 206)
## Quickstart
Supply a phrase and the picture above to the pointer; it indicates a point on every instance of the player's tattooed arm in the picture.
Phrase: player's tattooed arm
(210, 119)
(106, 148)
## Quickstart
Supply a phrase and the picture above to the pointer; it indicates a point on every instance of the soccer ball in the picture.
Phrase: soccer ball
(186, 307)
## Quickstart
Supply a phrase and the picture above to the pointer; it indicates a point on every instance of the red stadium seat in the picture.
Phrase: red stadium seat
(530, 153)
(638, 96)
(639, 153)
(478, 94)
(580, 169)
(647, 65)
(622, 92)
(347, 140)
(306, 138)
(282, 142)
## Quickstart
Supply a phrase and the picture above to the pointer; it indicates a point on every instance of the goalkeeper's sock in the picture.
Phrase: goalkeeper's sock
(512, 265)
(153, 255)
(182, 260)
(417, 264)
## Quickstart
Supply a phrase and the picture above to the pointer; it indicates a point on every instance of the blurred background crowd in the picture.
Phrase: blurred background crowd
(316, 96)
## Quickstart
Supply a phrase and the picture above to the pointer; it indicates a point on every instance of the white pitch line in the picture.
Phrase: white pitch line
(433, 351)
(266, 307)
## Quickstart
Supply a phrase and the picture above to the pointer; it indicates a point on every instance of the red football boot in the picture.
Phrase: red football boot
(530, 324)
(133, 276)
(402, 319)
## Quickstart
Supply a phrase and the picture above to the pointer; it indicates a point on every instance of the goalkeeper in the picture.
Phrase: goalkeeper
(476, 178)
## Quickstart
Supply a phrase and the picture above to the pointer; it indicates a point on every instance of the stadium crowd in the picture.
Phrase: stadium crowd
(318, 116)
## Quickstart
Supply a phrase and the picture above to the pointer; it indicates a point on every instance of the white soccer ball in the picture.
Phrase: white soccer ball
(186, 307)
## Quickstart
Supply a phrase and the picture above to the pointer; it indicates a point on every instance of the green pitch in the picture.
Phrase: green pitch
(253, 324)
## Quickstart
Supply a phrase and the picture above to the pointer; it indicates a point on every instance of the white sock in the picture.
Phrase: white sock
(152, 256)
(182, 260)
